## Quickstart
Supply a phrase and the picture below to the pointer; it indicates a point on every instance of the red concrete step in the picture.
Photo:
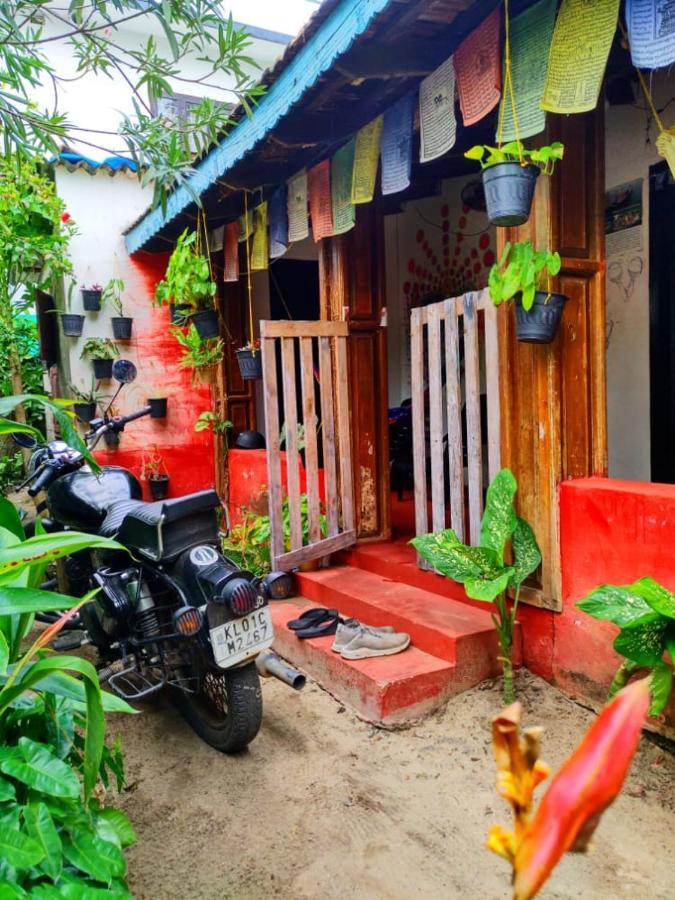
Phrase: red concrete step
(448, 629)
(391, 690)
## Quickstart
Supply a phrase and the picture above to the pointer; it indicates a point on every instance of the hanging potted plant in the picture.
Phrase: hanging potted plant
(85, 403)
(154, 472)
(510, 175)
(71, 323)
(250, 361)
(112, 438)
(91, 297)
(188, 283)
(524, 274)
(157, 406)
(101, 352)
(121, 324)
(200, 356)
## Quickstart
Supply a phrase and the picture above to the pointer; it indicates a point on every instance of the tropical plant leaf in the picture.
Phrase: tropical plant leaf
(83, 852)
(9, 518)
(658, 597)
(642, 640)
(17, 849)
(660, 686)
(623, 673)
(10, 891)
(487, 588)
(40, 826)
(7, 790)
(526, 553)
(4, 653)
(41, 770)
(64, 685)
(20, 600)
(615, 603)
(499, 518)
(113, 826)
(48, 547)
(458, 561)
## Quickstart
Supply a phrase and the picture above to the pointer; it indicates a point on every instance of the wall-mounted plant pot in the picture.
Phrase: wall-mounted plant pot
(91, 300)
(102, 368)
(539, 324)
(509, 189)
(178, 313)
(159, 487)
(112, 440)
(250, 363)
(157, 407)
(206, 323)
(121, 326)
(85, 412)
(72, 324)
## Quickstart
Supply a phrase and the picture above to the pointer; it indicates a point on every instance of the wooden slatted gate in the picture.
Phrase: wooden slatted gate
(437, 339)
(320, 348)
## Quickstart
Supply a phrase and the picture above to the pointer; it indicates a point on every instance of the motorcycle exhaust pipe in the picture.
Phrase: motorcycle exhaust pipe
(269, 664)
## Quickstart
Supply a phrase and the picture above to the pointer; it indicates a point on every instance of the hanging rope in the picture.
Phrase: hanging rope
(248, 271)
(508, 87)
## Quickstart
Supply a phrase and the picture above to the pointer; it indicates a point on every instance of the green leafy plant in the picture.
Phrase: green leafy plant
(86, 395)
(11, 471)
(645, 614)
(483, 570)
(188, 276)
(99, 348)
(197, 353)
(522, 269)
(514, 151)
(211, 421)
(112, 294)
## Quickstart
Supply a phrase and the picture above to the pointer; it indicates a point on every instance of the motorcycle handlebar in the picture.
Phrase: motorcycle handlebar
(43, 477)
(136, 415)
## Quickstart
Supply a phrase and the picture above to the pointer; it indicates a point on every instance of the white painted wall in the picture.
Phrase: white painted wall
(630, 151)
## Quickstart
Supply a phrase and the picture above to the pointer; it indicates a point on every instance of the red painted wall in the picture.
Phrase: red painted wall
(188, 455)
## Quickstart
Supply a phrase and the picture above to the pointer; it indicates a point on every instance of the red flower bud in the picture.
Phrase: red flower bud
(65, 217)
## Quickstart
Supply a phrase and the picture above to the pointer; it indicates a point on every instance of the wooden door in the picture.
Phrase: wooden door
(313, 362)
(237, 393)
(553, 395)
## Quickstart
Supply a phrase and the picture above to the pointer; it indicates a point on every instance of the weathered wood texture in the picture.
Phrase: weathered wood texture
(238, 395)
(553, 396)
(435, 349)
(305, 351)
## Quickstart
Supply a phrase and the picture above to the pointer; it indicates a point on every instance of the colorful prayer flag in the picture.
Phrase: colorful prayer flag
(231, 252)
(478, 70)
(260, 250)
(531, 34)
(342, 208)
(366, 158)
(438, 126)
(246, 226)
(396, 145)
(665, 144)
(651, 29)
(298, 227)
(582, 39)
(278, 216)
(318, 186)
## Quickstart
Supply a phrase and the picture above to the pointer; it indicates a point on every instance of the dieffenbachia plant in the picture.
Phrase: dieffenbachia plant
(483, 570)
(645, 613)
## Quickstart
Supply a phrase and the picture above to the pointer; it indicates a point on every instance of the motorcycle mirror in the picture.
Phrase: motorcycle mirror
(124, 371)
(24, 440)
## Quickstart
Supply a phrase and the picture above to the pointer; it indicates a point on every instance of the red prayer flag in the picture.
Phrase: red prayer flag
(231, 251)
(320, 204)
(478, 70)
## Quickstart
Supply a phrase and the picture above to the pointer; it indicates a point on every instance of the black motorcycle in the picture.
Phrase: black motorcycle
(171, 611)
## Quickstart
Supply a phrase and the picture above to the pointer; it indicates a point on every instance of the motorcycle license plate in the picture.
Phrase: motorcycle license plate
(235, 641)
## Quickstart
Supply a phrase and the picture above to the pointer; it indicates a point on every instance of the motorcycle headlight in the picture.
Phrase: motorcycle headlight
(277, 585)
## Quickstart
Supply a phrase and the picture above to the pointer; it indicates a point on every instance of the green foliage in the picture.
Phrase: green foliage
(99, 348)
(514, 151)
(211, 421)
(11, 471)
(22, 338)
(483, 570)
(521, 269)
(197, 353)
(188, 276)
(645, 614)
(112, 294)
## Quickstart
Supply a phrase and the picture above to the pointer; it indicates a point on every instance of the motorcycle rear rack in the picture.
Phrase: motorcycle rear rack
(130, 684)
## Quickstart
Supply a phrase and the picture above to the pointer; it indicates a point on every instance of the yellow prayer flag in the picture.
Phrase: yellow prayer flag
(366, 157)
(665, 144)
(245, 226)
(582, 40)
(260, 248)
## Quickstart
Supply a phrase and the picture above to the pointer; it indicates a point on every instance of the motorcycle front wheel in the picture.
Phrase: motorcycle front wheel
(227, 711)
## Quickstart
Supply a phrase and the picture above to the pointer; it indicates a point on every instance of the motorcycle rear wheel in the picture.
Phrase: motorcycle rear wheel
(227, 711)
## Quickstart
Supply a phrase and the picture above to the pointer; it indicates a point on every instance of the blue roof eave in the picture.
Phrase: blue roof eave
(334, 37)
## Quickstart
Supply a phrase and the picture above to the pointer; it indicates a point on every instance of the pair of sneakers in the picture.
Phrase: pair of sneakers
(353, 640)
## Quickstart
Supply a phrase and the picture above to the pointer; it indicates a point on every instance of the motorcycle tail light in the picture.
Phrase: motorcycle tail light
(187, 621)
(277, 585)
(240, 596)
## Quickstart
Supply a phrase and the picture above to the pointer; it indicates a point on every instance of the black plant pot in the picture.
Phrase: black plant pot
(91, 300)
(509, 189)
(72, 324)
(250, 364)
(178, 313)
(157, 407)
(539, 324)
(159, 487)
(85, 412)
(206, 323)
(112, 440)
(121, 327)
(102, 368)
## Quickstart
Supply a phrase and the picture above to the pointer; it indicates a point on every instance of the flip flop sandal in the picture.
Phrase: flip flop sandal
(311, 617)
(323, 630)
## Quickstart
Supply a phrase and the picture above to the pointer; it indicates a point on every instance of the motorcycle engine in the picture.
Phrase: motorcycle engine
(106, 617)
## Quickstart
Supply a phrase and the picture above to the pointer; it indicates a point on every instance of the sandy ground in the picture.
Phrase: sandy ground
(325, 806)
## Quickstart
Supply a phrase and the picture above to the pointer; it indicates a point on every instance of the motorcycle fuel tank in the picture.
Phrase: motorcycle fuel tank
(81, 499)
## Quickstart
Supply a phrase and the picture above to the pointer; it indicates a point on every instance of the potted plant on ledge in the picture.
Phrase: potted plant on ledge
(188, 284)
(85, 403)
(101, 352)
(91, 297)
(524, 274)
(121, 324)
(199, 355)
(72, 323)
(249, 358)
(154, 472)
(510, 174)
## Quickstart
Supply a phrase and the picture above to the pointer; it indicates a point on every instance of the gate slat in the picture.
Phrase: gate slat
(291, 422)
(419, 448)
(271, 400)
(473, 429)
(492, 387)
(453, 390)
(436, 418)
(345, 450)
(309, 421)
(328, 433)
